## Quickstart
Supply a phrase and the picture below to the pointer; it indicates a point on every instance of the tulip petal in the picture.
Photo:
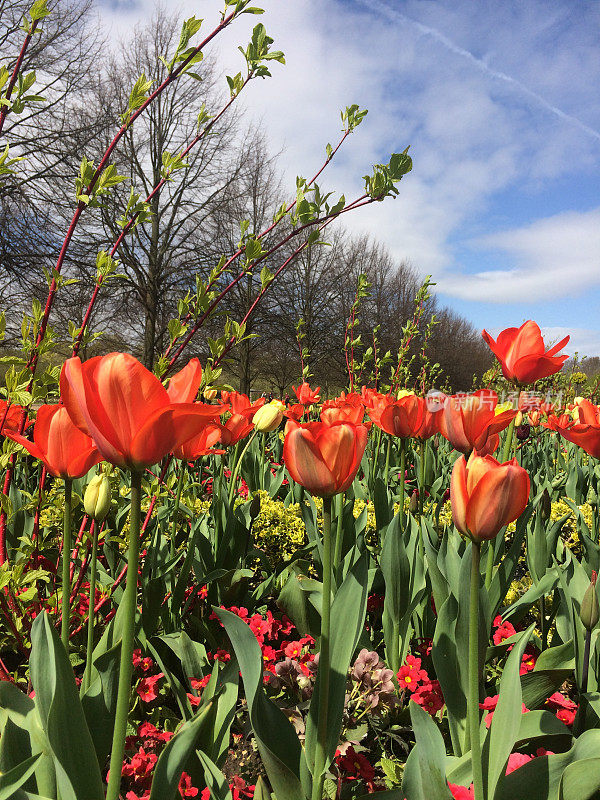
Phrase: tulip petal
(183, 386)
(499, 498)
(303, 460)
(458, 494)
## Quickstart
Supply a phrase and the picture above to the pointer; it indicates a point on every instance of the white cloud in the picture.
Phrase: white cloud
(554, 257)
(489, 113)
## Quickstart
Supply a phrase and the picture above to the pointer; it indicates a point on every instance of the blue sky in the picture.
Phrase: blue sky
(500, 104)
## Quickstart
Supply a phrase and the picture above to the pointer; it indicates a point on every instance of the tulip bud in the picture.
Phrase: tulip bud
(404, 393)
(255, 507)
(210, 394)
(414, 502)
(589, 611)
(592, 497)
(96, 499)
(519, 419)
(269, 416)
(523, 432)
(545, 506)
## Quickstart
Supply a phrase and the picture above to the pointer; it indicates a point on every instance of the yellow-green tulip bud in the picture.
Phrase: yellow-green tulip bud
(96, 499)
(269, 416)
(589, 611)
(210, 394)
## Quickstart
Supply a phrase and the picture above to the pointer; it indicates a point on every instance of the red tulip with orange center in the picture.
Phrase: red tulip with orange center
(486, 495)
(522, 354)
(64, 450)
(586, 432)
(468, 420)
(306, 395)
(127, 411)
(324, 458)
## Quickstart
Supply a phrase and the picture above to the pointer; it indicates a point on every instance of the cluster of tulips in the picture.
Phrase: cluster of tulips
(112, 409)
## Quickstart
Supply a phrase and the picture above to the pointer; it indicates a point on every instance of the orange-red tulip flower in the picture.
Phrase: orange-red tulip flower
(183, 386)
(64, 450)
(127, 411)
(521, 351)
(296, 411)
(468, 420)
(486, 495)
(585, 433)
(324, 458)
(349, 409)
(241, 404)
(10, 417)
(402, 417)
(237, 427)
(306, 395)
(203, 443)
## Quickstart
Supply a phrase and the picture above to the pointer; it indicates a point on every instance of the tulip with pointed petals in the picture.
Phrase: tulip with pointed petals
(306, 395)
(486, 495)
(127, 411)
(324, 458)
(64, 450)
(522, 354)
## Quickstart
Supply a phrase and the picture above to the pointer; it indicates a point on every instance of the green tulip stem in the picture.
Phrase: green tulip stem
(263, 437)
(66, 565)
(401, 476)
(473, 702)
(508, 443)
(489, 567)
(87, 678)
(375, 463)
(387, 460)
(176, 506)
(128, 630)
(339, 536)
(238, 463)
(324, 659)
(421, 476)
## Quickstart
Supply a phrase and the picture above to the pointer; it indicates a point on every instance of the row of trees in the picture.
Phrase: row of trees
(194, 219)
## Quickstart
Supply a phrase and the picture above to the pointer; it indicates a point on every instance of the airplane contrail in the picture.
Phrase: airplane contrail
(426, 30)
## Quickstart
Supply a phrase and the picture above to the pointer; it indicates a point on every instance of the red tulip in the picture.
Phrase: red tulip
(203, 443)
(343, 409)
(10, 417)
(402, 417)
(237, 428)
(306, 395)
(296, 411)
(127, 411)
(585, 433)
(324, 458)
(521, 351)
(183, 386)
(64, 450)
(486, 495)
(467, 421)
